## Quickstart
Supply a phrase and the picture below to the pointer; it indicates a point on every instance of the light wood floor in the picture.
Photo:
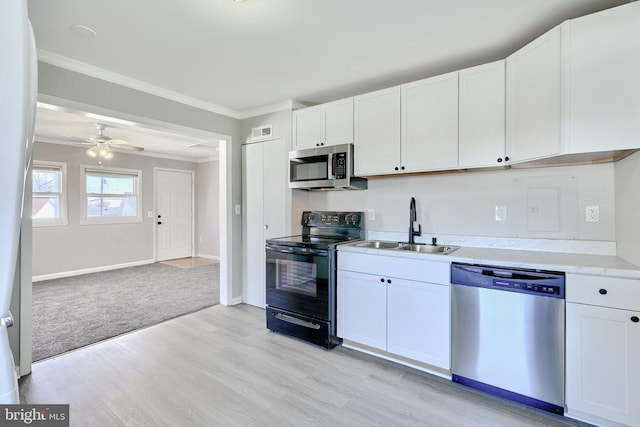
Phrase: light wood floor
(221, 367)
(189, 262)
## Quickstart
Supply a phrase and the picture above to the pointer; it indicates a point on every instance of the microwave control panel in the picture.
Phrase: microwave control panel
(340, 166)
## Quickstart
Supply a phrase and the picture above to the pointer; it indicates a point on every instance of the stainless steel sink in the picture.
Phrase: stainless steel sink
(413, 247)
(377, 244)
(430, 249)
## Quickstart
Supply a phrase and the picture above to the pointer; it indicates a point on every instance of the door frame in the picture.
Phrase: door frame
(229, 265)
(157, 169)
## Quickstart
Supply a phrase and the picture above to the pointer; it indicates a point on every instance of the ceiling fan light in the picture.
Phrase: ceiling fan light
(92, 152)
(108, 156)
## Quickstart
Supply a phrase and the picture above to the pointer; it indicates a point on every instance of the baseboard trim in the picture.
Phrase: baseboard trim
(90, 270)
(216, 257)
(234, 301)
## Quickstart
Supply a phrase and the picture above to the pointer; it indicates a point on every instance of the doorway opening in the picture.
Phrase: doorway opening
(223, 197)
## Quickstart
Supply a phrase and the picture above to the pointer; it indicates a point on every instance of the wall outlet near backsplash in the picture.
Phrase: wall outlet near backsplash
(592, 213)
(501, 213)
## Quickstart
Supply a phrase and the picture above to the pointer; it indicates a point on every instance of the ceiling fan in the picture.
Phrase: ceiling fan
(102, 144)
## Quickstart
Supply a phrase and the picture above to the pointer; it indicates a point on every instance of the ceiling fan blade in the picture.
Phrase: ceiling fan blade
(118, 141)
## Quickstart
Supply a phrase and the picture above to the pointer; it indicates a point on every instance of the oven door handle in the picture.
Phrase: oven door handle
(296, 251)
(296, 321)
(280, 249)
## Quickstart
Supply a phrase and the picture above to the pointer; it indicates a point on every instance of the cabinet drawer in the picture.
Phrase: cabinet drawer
(389, 266)
(603, 291)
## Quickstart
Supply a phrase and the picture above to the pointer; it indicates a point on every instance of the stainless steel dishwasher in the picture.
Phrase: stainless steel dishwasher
(508, 333)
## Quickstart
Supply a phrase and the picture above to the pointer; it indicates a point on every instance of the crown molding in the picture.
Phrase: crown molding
(102, 74)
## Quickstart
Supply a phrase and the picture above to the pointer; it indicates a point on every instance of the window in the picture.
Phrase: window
(49, 199)
(110, 196)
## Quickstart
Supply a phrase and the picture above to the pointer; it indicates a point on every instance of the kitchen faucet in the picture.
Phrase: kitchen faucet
(413, 216)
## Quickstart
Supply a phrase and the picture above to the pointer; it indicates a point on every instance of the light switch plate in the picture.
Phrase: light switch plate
(501, 213)
(372, 214)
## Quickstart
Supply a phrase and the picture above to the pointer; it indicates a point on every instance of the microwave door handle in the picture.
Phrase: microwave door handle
(331, 164)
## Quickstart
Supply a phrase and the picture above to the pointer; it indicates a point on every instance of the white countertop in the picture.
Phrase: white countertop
(599, 265)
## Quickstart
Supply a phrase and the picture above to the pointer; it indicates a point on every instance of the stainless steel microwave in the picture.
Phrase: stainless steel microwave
(324, 168)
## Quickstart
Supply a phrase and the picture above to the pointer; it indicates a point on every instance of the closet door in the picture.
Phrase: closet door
(265, 194)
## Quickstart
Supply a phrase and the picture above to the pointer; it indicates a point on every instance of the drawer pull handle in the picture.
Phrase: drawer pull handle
(603, 291)
(635, 319)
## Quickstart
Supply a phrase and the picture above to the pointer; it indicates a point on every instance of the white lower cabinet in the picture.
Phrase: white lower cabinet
(362, 309)
(418, 321)
(603, 350)
(400, 315)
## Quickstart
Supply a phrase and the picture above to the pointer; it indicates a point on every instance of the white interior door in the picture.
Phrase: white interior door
(174, 214)
(17, 111)
(265, 190)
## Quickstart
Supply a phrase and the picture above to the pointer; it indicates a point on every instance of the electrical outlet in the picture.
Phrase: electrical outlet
(501, 213)
(592, 213)
(372, 214)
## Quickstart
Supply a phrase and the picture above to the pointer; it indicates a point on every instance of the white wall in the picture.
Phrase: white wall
(208, 209)
(464, 203)
(627, 182)
(75, 247)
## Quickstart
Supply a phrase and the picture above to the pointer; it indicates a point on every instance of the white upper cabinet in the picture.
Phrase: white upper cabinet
(601, 85)
(430, 124)
(533, 99)
(322, 125)
(481, 139)
(377, 132)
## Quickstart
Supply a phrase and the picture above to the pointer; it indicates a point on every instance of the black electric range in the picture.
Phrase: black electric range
(301, 276)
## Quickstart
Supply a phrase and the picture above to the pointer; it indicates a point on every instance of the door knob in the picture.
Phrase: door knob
(266, 226)
(159, 216)
(7, 320)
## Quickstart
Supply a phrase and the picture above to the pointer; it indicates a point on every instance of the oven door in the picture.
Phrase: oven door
(298, 280)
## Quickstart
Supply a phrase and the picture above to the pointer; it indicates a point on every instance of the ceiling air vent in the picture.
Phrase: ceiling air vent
(262, 132)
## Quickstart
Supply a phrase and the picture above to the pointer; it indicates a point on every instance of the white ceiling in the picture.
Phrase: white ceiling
(239, 57)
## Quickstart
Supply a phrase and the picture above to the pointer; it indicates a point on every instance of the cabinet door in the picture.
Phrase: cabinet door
(307, 127)
(482, 116)
(602, 99)
(418, 321)
(430, 124)
(603, 373)
(377, 132)
(533, 99)
(362, 309)
(338, 122)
